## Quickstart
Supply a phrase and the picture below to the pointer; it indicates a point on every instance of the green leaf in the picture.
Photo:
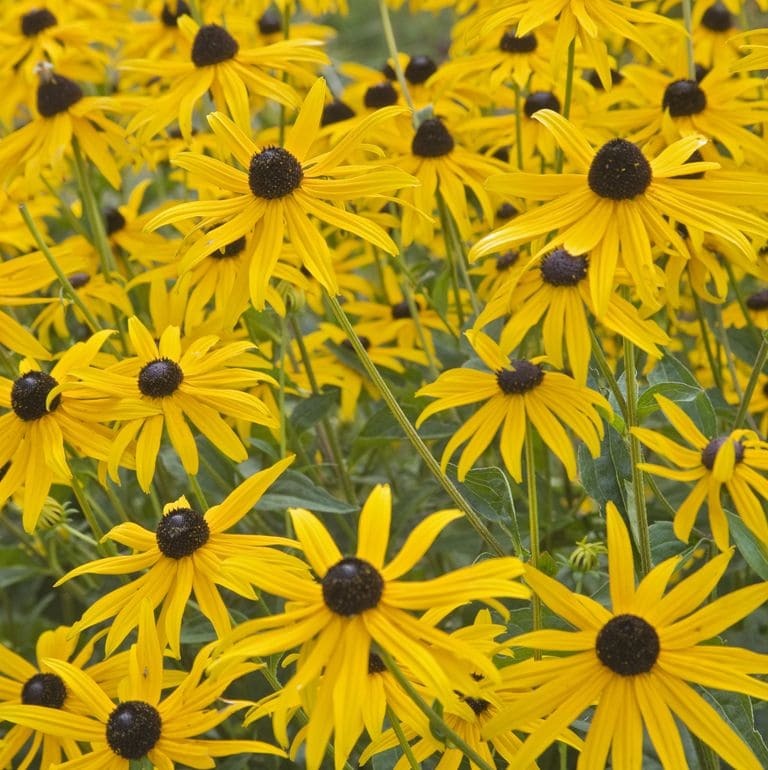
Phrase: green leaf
(295, 490)
(691, 398)
(604, 477)
(749, 546)
(670, 369)
(310, 411)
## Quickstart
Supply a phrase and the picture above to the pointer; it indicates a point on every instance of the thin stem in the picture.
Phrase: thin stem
(330, 432)
(66, 286)
(402, 740)
(714, 366)
(281, 118)
(281, 389)
(389, 36)
(754, 376)
(456, 253)
(198, 490)
(605, 370)
(452, 263)
(436, 722)
(518, 127)
(635, 453)
(742, 302)
(688, 23)
(87, 510)
(93, 213)
(533, 523)
(570, 67)
(409, 430)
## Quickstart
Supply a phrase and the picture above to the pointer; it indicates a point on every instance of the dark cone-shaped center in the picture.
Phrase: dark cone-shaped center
(171, 18)
(758, 300)
(181, 532)
(213, 44)
(380, 95)
(506, 260)
(628, 645)
(521, 377)
(57, 95)
(540, 100)
(403, 310)
(113, 220)
(335, 112)
(160, 378)
(29, 394)
(709, 453)
(478, 705)
(419, 69)
(561, 268)
(34, 22)
(271, 22)
(619, 171)
(595, 82)
(274, 173)
(511, 43)
(375, 664)
(352, 586)
(78, 280)
(506, 211)
(717, 18)
(432, 139)
(684, 97)
(133, 729)
(233, 249)
(44, 690)
(696, 157)
(364, 341)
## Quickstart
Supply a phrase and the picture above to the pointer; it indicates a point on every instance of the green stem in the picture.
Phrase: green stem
(605, 370)
(570, 67)
(66, 286)
(456, 253)
(742, 302)
(281, 389)
(533, 523)
(286, 36)
(107, 547)
(93, 213)
(754, 376)
(198, 490)
(518, 127)
(409, 430)
(401, 739)
(635, 453)
(714, 366)
(436, 722)
(688, 23)
(330, 432)
(389, 36)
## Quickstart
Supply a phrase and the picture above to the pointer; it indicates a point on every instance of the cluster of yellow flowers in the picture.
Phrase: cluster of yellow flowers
(223, 246)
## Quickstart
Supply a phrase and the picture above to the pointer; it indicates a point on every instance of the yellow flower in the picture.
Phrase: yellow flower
(635, 662)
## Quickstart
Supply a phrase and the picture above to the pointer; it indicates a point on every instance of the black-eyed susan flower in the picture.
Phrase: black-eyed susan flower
(24, 683)
(515, 392)
(351, 602)
(163, 386)
(143, 724)
(218, 65)
(556, 290)
(616, 207)
(636, 661)
(42, 428)
(63, 115)
(279, 188)
(182, 556)
(736, 461)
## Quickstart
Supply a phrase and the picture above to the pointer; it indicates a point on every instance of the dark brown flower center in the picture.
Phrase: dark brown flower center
(113, 220)
(619, 171)
(696, 157)
(758, 300)
(352, 586)
(181, 532)
(540, 100)
(34, 22)
(506, 211)
(212, 45)
(171, 18)
(380, 95)
(231, 250)
(419, 69)
(478, 705)
(78, 280)
(709, 453)
(44, 690)
(511, 43)
(521, 377)
(561, 268)
(57, 94)
(160, 378)
(271, 22)
(628, 645)
(335, 112)
(684, 97)
(506, 260)
(717, 18)
(274, 173)
(432, 139)
(403, 310)
(595, 82)
(375, 664)
(29, 394)
(133, 729)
